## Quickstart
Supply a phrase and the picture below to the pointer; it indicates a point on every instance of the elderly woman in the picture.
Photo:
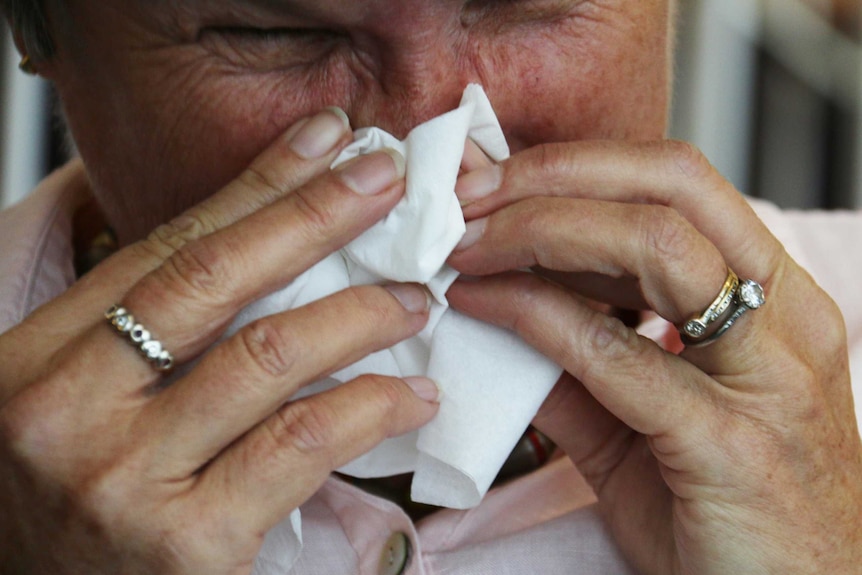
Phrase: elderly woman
(206, 146)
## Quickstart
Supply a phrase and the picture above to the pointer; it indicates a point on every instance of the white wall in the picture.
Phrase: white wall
(717, 93)
(23, 120)
(715, 81)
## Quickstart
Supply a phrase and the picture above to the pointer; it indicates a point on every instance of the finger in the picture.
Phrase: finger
(303, 152)
(246, 378)
(576, 422)
(620, 293)
(669, 173)
(686, 413)
(284, 460)
(211, 279)
(675, 176)
(651, 391)
(188, 301)
(675, 269)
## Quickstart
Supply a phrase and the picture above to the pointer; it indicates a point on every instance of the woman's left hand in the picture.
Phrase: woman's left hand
(743, 456)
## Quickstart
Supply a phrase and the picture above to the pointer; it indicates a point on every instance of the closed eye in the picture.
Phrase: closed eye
(270, 48)
(269, 34)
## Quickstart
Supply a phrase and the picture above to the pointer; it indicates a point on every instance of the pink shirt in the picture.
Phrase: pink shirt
(545, 522)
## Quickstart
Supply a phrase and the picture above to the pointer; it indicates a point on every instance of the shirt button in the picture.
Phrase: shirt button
(395, 555)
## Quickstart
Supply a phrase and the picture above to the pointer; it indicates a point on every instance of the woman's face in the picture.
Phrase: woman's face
(168, 100)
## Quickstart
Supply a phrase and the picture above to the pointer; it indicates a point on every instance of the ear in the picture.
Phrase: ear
(27, 65)
(33, 60)
(18, 39)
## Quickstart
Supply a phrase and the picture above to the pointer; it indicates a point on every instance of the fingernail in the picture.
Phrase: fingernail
(423, 387)
(475, 229)
(371, 174)
(413, 297)
(478, 184)
(320, 134)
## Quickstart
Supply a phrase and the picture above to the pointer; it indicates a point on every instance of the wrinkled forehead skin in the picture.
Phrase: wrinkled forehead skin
(169, 99)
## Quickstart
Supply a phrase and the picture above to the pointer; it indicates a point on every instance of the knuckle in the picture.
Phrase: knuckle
(319, 218)
(173, 235)
(830, 315)
(386, 392)
(16, 433)
(270, 350)
(669, 235)
(256, 179)
(687, 159)
(195, 270)
(538, 245)
(810, 401)
(798, 403)
(104, 497)
(551, 163)
(608, 338)
(305, 428)
(550, 158)
(802, 392)
(26, 435)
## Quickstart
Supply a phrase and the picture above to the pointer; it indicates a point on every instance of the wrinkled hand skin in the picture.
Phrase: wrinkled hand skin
(106, 470)
(740, 457)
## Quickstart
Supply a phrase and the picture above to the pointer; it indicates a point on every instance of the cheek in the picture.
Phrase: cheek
(183, 136)
(612, 84)
(213, 130)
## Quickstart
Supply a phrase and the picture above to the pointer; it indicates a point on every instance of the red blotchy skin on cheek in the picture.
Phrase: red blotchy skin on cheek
(161, 123)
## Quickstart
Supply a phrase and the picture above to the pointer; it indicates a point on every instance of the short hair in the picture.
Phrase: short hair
(28, 18)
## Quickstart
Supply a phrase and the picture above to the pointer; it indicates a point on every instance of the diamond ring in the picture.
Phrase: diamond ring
(749, 295)
(697, 326)
(151, 348)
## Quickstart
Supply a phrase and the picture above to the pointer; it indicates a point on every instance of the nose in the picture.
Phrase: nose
(415, 69)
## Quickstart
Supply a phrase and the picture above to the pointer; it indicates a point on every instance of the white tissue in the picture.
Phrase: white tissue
(491, 382)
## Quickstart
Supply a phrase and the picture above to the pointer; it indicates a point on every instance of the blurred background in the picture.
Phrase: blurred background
(770, 90)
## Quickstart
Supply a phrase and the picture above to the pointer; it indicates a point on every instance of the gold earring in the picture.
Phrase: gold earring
(26, 65)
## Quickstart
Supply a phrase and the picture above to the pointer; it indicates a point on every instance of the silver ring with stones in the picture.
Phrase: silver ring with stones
(697, 326)
(747, 297)
(136, 334)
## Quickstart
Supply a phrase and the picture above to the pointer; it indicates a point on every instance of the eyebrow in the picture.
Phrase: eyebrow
(188, 17)
(298, 8)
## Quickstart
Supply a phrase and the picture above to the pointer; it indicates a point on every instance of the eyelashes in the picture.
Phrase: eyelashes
(270, 34)
(269, 48)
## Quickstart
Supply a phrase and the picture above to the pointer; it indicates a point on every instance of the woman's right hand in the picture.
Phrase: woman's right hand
(102, 470)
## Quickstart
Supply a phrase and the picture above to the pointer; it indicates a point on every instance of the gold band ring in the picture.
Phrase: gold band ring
(748, 296)
(697, 326)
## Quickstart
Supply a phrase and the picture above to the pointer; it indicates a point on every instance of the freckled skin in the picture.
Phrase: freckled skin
(167, 120)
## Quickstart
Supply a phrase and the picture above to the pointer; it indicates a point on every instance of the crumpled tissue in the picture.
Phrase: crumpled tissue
(491, 382)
